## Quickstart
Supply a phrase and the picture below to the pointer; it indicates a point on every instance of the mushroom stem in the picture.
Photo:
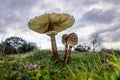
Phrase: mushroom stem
(67, 56)
(66, 52)
(69, 52)
(54, 47)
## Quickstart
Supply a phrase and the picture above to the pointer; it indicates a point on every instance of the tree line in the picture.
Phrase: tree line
(16, 45)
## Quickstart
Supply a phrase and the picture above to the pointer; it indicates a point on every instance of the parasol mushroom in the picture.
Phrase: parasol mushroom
(51, 24)
(71, 41)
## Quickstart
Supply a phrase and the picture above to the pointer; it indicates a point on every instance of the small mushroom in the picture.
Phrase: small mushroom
(71, 41)
(51, 24)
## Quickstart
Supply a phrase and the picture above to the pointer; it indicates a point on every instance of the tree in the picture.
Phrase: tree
(14, 42)
(96, 41)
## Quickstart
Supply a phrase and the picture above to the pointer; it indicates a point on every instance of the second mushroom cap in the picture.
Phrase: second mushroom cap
(72, 39)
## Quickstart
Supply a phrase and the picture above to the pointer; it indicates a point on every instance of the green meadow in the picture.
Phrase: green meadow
(81, 66)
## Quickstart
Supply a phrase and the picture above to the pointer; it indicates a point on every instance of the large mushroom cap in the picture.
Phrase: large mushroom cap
(51, 22)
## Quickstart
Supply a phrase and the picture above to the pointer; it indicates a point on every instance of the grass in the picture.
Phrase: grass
(81, 66)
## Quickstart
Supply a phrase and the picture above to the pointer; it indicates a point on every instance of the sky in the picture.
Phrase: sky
(91, 16)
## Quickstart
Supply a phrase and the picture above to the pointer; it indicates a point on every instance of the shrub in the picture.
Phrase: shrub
(27, 47)
(82, 48)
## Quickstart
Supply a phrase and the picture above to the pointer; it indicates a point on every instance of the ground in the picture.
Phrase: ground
(81, 66)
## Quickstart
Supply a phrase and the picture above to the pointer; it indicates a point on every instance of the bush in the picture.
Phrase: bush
(27, 47)
(82, 48)
(1, 48)
(7, 49)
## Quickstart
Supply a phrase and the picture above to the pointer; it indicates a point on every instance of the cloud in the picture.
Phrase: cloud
(110, 33)
(112, 36)
(99, 16)
(17, 4)
(2, 32)
(115, 2)
(15, 10)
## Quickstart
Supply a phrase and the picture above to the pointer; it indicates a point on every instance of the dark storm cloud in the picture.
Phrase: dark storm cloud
(99, 16)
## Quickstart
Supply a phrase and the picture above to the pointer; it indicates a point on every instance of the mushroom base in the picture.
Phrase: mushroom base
(67, 54)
